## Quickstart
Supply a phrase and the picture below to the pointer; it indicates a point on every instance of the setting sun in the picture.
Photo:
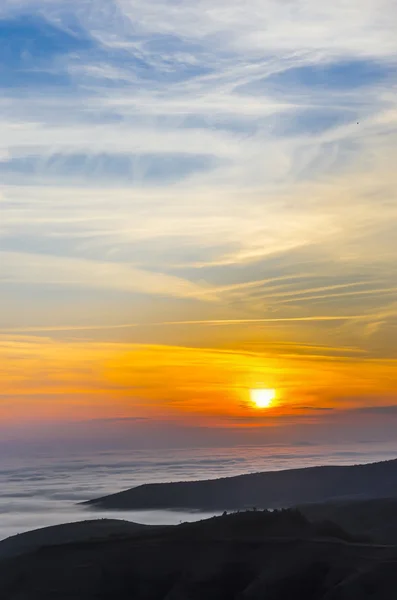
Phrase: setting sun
(263, 398)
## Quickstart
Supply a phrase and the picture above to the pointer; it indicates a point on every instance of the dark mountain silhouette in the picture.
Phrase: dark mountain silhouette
(68, 533)
(247, 556)
(273, 489)
(374, 519)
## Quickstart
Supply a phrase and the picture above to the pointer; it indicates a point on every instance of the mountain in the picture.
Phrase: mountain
(246, 556)
(263, 490)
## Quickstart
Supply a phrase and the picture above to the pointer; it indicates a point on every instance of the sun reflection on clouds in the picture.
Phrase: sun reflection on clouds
(44, 379)
(197, 206)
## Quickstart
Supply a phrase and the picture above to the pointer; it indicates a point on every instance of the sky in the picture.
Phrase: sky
(197, 199)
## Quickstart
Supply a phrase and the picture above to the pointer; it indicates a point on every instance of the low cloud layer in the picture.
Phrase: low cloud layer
(44, 489)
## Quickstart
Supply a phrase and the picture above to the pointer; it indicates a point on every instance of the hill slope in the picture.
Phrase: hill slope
(246, 557)
(68, 533)
(375, 519)
(263, 490)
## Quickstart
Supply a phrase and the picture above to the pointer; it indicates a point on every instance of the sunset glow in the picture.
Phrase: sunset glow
(198, 221)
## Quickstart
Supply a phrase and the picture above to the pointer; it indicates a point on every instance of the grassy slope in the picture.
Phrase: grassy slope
(247, 556)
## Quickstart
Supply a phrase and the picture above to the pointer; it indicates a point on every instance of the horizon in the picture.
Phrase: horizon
(198, 226)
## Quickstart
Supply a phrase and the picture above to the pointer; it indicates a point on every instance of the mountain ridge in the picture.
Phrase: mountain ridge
(269, 489)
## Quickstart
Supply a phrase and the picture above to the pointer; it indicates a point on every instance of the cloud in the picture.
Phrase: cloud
(390, 410)
(215, 175)
(44, 488)
(53, 271)
(329, 77)
(218, 322)
(112, 169)
(314, 121)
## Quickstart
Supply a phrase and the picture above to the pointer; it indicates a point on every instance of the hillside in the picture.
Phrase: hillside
(375, 519)
(68, 533)
(263, 490)
(245, 556)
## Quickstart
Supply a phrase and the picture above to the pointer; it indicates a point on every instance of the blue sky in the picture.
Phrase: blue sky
(208, 160)
(227, 131)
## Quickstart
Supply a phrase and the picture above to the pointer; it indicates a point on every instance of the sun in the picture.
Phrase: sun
(263, 398)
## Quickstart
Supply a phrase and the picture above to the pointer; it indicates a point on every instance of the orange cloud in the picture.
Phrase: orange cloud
(46, 379)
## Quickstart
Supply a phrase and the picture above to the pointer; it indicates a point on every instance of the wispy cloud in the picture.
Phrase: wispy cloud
(45, 270)
(217, 322)
(210, 174)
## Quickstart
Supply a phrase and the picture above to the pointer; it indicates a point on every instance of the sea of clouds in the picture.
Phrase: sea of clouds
(39, 491)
